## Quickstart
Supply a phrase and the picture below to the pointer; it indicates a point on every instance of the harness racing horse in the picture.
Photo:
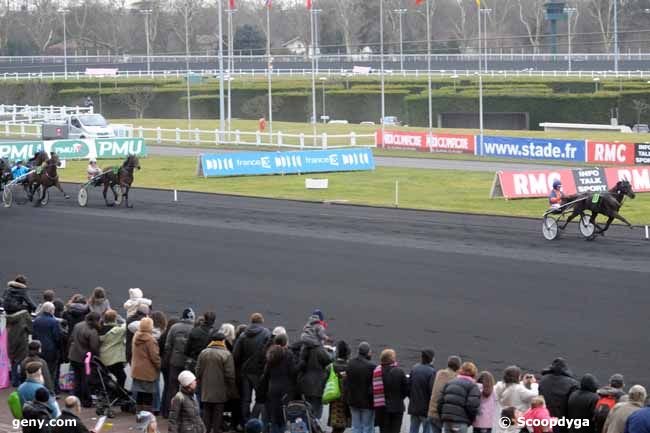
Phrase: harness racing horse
(5, 172)
(608, 204)
(122, 176)
(45, 178)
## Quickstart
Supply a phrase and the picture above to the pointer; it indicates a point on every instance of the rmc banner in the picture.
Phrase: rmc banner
(259, 163)
(76, 149)
(529, 184)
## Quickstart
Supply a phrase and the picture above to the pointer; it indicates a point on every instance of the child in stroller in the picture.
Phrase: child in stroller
(109, 393)
(300, 418)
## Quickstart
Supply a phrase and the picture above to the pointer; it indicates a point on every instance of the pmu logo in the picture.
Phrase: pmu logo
(120, 147)
(77, 149)
(16, 151)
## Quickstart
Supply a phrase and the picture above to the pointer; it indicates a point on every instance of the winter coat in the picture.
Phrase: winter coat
(638, 422)
(16, 298)
(83, 339)
(313, 332)
(215, 371)
(136, 298)
(460, 401)
(175, 342)
(75, 313)
(359, 383)
(47, 378)
(47, 330)
(278, 380)
(249, 352)
(75, 426)
(100, 308)
(27, 392)
(618, 415)
(538, 413)
(35, 410)
(145, 363)
(421, 383)
(396, 388)
(515, 395)
(129, 333)
(19, 327)
(556, 385)
(582, 403)
(184, 416)
(312, 370)
(198, 340)
(112, 344)
(443, 377)
(487, 412)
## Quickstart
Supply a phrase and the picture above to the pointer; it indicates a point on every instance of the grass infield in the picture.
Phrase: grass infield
(444, 190)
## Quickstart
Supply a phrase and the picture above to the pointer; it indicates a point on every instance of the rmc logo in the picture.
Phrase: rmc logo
(120, 147)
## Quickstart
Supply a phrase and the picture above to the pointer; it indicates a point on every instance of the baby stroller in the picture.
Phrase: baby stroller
(300, 418)
(109, 393)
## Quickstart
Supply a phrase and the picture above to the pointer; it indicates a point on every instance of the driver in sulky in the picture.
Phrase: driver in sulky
(93, 170)
(556, 195)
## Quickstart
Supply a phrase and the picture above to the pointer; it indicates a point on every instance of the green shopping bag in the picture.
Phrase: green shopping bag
(14, 405)
(332, 387)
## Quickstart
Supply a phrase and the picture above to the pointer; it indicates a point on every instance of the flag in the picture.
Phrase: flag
(268, 4)
(478, 4)
(308, 4)
(418, 2)
(232, 4)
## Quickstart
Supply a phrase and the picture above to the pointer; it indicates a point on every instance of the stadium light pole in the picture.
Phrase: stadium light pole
(569, 12)
(480, 78)
(429, 66)
(322, 81)
(381, 65)
(222, 114)
(313, 74)
(269, 68)
(616, 36)
(187, 66)
(146, 13)
(231, 65)
(64, 12)
(401, 13)
(316, 41)
(485, 12)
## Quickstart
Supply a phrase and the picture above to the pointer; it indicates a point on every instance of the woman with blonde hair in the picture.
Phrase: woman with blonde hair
(389, 389)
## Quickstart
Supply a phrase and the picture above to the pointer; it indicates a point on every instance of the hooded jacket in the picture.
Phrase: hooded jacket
(16, 298)
(582, 403)
(175, 343)
(75, 313)
(460, 401)
(136, 298)
(35, 410)
(112, 344)
(443, 377)
(19, 327)
(313, 332)
(359, 382)
(215, 371)
(556, 385)
(312, 370)
(83, 339)
(422, 377)
(145, 362)
(248, 353)
(619, 414)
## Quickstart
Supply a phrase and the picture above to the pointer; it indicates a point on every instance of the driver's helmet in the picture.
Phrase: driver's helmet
(19, 161)
(557, 184)
(92, 161)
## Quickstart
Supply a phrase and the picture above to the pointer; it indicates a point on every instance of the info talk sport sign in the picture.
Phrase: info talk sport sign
(539, 183)
(101, 148)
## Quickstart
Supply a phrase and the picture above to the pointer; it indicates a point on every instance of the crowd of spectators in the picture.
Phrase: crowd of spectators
(209, 377)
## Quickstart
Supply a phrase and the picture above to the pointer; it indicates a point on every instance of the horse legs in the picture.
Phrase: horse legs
(106, 184)
(574, 214)
(114, 192)
(58, 186)
(125, 192)
(622, 219)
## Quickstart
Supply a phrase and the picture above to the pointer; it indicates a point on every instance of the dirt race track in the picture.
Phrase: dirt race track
(488, 288)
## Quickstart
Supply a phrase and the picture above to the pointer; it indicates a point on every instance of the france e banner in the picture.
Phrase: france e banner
(262, 163)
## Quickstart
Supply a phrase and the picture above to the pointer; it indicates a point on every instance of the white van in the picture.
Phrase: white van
(89, 126)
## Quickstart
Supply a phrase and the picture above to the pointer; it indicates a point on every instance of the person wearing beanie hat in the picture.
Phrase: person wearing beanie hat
(34, 349)
(215, 370)
(145, 364)
(38, 409)
(34, 382)
(174, 356)
(47, 330)
(184, 414)
(136, 298)
(421, 378)
(359, 390)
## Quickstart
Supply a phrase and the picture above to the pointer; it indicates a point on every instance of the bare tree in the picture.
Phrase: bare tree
(640, 107)
(602, 11)
(137, 99)
(40, 23)
(346, 12)
(37, 92)
(531, 15)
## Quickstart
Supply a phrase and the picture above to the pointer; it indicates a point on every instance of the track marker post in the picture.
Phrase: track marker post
(647, 233)
(175, 195)
(397, 193)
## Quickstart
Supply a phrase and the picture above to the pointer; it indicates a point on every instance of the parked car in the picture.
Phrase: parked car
(368, 123)
(641, 128)
(338, 122)
(391, 120)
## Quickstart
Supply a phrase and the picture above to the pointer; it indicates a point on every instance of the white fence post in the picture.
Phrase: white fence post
(258, 138)
(353, 139)
(158, 135)
(22, 129)
(178, 135)
(216, 137)
(237, 136)
(197, 136)
(279, 138)
(302, 140)
(6, 128)
(324, 140)
(140, 132)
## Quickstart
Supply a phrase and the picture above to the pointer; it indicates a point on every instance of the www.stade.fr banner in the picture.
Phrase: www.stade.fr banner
(261, 163)
(103, 148)
(539, 183)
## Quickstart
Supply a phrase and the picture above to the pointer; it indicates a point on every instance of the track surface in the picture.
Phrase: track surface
(488, 288)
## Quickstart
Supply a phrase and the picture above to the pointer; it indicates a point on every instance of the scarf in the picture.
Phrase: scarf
(217, 343)
(378, 397)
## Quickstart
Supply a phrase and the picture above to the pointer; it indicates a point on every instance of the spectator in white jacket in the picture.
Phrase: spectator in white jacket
(512, 391)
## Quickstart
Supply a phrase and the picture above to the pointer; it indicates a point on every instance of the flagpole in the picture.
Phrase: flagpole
(313, 73)
(381, 67)
(429, 66)
(480, 77)
(222, 113)
(270, 67)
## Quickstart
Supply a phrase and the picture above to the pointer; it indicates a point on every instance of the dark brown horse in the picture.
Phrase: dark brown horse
(45, 178)
(122, 177)
(5, 172)
(608, 204)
